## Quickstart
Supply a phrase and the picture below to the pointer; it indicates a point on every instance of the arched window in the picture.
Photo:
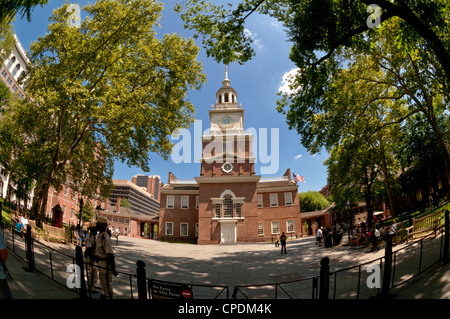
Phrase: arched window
(226, 97)
(16, 69)
(227, 206)
(11, 62)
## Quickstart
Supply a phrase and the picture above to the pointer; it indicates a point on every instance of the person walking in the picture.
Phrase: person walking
(90, 256)
(283, 243)
(105, 254)
(319, 234)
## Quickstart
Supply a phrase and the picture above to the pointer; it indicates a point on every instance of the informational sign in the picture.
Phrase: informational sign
(170, 290)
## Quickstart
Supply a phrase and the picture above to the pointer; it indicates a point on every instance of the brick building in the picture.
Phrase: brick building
(69, 201)
(228, 202)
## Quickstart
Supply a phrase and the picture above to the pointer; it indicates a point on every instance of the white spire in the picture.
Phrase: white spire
(226, 81)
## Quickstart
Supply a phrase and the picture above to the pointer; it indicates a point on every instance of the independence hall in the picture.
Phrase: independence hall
(228, 202)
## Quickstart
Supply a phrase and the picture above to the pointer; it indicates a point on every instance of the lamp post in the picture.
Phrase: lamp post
(81, 211)
(347, 207)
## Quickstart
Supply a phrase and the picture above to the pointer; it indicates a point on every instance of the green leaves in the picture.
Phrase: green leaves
(105, 91)
(221, 28)
(9, 8)
(312, 201)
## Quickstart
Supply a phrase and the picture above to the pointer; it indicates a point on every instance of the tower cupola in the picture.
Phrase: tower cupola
(226, 96)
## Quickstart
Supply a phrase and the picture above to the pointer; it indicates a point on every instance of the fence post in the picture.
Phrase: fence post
(447, 236)
(30, 252)
(141, 280)
(387, 267)
(324, 278)
(80, 262)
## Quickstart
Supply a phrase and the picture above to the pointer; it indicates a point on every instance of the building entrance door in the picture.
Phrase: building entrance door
(228, 232)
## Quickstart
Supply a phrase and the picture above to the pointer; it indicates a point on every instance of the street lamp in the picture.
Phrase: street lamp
(81, 211)
(347, 207)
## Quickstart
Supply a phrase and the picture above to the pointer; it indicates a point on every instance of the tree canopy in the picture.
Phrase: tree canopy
(362, 76)
(311, 201)
(318, 28)
(108, 90)
(10, 8)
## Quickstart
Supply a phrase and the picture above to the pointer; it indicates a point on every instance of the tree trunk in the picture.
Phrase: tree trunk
(40, 201)
(444, 150)
(387, 184)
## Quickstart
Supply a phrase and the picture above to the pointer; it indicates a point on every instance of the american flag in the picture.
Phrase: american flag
(298, 178)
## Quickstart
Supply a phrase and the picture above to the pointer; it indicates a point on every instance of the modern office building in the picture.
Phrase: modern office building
(150, 183)
(141, 201)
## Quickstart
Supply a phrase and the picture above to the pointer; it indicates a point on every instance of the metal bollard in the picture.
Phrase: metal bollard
(29, 246)
(446, 236)
(324, 278)
(80, 262)
(141, 280)
(387, 267)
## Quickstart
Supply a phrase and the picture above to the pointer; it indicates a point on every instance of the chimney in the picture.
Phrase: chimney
(118, 204)
(171, 178)
(288, 174)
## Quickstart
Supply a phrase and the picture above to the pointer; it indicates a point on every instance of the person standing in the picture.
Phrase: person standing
(283, 243)
(5, 292)
(91, 259)
(105, 254)
(319, 234)
(430, 199)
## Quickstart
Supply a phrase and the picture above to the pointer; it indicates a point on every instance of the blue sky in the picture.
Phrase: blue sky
(257, 83)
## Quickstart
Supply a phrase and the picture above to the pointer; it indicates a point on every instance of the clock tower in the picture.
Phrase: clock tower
(228, 202)
(227, 149)
(227, 181)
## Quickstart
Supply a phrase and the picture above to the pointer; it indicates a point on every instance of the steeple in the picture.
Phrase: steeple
(226, 96)
(226, 82)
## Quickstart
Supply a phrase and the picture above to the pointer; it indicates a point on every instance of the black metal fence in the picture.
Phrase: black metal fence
(368, 280)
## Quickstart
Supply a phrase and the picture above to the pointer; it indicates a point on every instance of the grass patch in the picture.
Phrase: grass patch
(420, 212)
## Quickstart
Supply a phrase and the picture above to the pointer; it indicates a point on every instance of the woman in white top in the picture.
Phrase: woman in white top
(24, 219)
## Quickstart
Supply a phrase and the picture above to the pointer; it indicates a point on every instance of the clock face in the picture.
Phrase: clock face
(227, 167)
(226, 121)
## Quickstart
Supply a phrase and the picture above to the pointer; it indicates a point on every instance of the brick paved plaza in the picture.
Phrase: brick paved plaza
(240, 264)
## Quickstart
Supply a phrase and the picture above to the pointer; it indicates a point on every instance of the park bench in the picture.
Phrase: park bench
(400, 235)
(424, 224)
(51, 232)
(35, 232)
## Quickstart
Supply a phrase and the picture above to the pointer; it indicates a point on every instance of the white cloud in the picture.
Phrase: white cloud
(276, 25)
(286, 80)
(256, 42)
(298, 156)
